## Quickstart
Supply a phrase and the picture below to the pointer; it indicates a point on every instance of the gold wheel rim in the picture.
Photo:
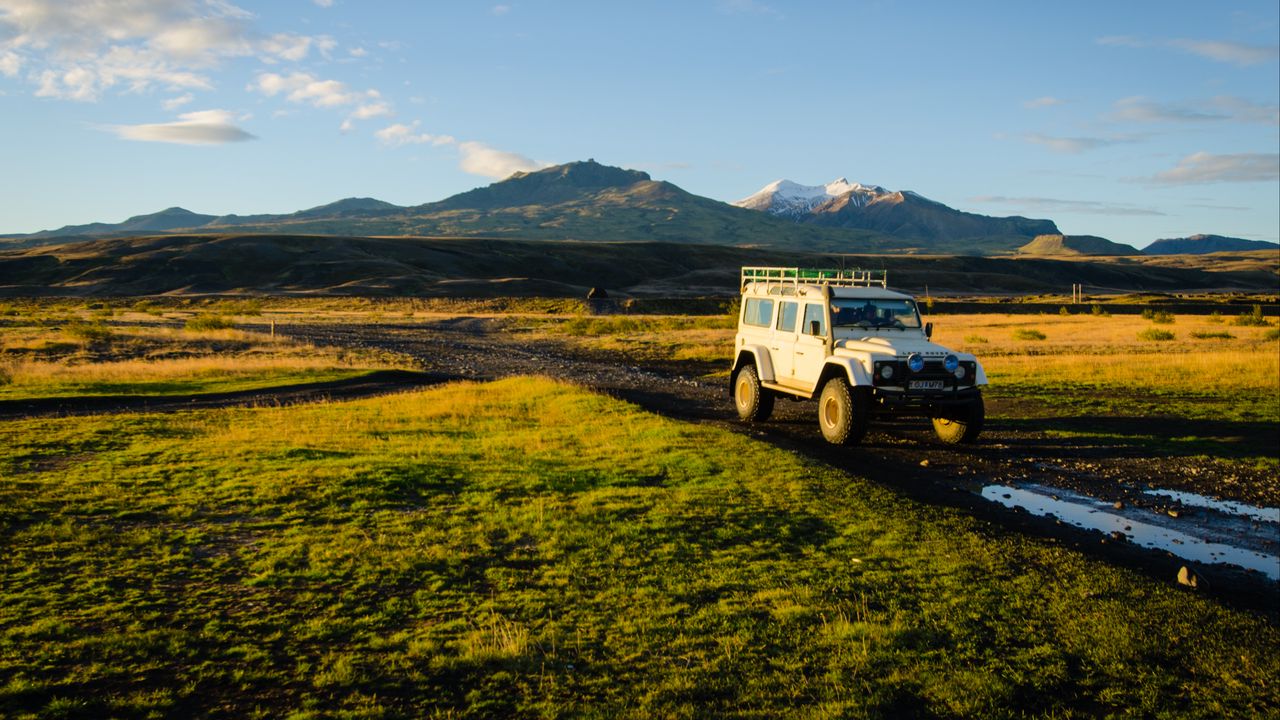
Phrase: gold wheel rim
(831, 412)
(744, 388)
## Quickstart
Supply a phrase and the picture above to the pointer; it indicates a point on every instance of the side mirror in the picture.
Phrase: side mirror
(815, 327)
(928, 330)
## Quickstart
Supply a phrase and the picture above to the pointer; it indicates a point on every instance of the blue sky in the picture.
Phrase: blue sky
(1130, 120)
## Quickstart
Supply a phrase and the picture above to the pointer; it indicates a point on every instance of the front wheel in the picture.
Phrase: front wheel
(843, 412)
(962, 423)
(753, 401)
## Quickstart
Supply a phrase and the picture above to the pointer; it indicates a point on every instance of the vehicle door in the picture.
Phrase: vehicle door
(784, 342)
(810, 351)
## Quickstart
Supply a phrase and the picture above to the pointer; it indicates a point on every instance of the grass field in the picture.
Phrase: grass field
(527, 549)
(64, 351)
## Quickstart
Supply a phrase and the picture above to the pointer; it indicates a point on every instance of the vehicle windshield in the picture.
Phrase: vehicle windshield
(873, 313)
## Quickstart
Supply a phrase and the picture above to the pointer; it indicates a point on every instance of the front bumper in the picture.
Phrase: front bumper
(897, 400)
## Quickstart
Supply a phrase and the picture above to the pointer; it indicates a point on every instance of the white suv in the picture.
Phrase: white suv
(843, 337)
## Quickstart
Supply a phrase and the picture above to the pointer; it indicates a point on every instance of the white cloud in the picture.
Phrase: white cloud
(480, 159)
(304, 88)
(500, 10)
(323, 3)
(401, 134)
(1203, 167)
(175, 103)
(204, 127)
(372, 110)
(357, 52)
(1042, 102)
(79, 49)
(10, 63)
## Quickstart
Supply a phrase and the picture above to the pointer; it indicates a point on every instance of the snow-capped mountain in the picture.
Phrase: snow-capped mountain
(793, 200)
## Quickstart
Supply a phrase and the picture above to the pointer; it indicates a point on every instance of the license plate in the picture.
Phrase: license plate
(924, 385)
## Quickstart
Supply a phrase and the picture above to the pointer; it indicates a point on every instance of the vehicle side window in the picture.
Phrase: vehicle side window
(811, 313)
(787, 316)
(757, 312)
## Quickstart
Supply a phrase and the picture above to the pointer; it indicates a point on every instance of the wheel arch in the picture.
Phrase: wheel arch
(753, 355)
(848, 368)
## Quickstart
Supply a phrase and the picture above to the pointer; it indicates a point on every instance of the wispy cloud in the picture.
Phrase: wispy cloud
(1043, 102)
(402, 134)
(1218, 50)
(1090, 207)
(1076, 145)
(476, 158)
(1220, 108)
(177, 102)
(499, 10)
(1229, 52)
(1202, 168)
(747, 7)
(204, 127)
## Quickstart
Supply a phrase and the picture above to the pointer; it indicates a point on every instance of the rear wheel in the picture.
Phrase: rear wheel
(843, 412)
(962, 423)
(753, 401)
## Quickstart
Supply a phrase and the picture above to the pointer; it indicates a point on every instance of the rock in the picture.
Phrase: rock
(1173, 513)
(1117, 535)
(1119, 505)
(1188, 577)
(924, 463)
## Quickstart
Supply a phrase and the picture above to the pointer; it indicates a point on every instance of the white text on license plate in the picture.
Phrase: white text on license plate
(924, 385)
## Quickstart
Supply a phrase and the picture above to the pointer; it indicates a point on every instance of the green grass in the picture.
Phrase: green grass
(213, 380)
(1028, 334)
(1155, 335)
(525, 549)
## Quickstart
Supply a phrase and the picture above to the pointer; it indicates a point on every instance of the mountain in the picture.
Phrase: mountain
(902, 214)
(1202, 244)
(173, 218)
(1075, 245)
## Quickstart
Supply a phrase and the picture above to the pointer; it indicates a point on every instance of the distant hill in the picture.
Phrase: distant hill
(1203, 244)
(1075, 245)
(481, 267)
(902, 214)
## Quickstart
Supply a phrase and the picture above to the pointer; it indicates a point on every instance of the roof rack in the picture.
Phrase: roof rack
(845, 277)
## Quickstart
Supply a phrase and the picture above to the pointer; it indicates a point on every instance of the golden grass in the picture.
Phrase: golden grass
(30, 373)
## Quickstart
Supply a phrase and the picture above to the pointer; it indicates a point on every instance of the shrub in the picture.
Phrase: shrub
(1220, 334)
(6, 375)
(1252, 319)
(1161, 317)
(210, 322)
(1063, 310)
(1099, 311)
(975, 340)
(1155, 335)
(88, 332)
(1215, 317)
(239, 307)
(1272, 334)
(1029, 334)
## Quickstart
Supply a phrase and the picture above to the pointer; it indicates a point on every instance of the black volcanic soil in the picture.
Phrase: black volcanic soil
(901, 455)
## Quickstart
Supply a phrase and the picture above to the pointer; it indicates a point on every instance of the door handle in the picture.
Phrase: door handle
(776, 349)
(799, 353)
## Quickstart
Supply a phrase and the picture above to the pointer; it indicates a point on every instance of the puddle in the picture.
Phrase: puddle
(1231, 538)
(1271, 515)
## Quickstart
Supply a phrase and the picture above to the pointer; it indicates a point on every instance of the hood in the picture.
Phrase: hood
(897, 346)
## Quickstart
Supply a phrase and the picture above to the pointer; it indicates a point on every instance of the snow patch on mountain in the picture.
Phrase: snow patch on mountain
(789, 199)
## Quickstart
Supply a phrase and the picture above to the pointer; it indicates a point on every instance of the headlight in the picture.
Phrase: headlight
(951, 363)
(915, 362)
(960, 372)
(886, 371)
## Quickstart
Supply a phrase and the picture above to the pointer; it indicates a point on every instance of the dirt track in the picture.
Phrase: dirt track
(899, 455)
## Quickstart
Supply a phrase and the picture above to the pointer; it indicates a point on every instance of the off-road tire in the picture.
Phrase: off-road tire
(962, 423)
(843, 412)
(753, 401)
